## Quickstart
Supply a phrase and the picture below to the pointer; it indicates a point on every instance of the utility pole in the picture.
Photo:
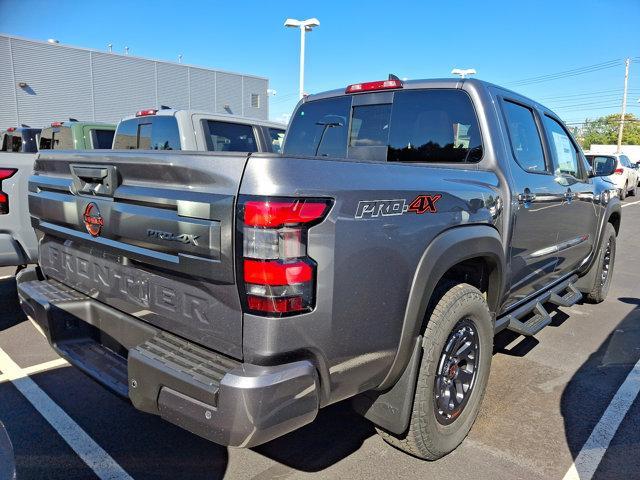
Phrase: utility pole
(624, 104)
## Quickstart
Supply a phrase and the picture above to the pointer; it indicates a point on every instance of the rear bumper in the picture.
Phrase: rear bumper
(218, 398)
(10, 252)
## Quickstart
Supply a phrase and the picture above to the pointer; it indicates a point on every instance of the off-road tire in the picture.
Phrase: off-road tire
(600, 287)
(426, 437)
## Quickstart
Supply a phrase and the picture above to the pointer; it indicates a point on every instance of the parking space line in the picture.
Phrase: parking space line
(632, 203)
(102, 464)
(596, 446)
(39, 368)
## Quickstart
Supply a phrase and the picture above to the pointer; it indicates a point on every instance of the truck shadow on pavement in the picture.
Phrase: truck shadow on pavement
(591, 389)
(10, 312)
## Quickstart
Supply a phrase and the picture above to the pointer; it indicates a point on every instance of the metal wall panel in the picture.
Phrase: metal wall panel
(8, 112)
(66, 82)
(173, 85)
(56, 76)
(203, 89)
(255, 86)
(122, 86)
(229, 93)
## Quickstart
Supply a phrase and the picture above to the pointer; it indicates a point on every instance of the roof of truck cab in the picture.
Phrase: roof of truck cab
(214, 116)
(435, 83)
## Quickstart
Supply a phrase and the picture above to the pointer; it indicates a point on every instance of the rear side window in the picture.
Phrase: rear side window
(148, 133)
(56, 138)
(525, 138)
(276, 136)
(101, 139)
(320, 128)
(230, 137)
(564, 152)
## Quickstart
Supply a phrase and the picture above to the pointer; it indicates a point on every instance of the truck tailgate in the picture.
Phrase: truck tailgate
(149, 233)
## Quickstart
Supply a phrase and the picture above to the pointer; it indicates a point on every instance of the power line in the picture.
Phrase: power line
(567, 73)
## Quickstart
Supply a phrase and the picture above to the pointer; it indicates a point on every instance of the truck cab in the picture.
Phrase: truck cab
(169, 129)
(75, 135)
(21, 139)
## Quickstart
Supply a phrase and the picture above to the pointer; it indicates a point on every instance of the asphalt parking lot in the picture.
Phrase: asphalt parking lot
(545, 397)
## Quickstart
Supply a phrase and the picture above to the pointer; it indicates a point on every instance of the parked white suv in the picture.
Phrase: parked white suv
(625, 176)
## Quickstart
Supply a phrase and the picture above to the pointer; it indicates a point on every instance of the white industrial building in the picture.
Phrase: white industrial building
(41, 82)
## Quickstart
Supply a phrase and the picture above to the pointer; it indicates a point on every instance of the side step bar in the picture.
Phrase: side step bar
(532, 317)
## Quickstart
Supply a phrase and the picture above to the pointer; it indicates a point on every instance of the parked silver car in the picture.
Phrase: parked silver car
(625, 176)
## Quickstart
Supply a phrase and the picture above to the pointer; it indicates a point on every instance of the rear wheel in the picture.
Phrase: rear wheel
(457, 351)
(604, 264)
(623, 192)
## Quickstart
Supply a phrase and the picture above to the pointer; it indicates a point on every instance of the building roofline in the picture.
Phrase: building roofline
(42, 42)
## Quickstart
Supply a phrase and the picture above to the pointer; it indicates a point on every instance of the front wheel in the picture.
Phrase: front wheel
(456, 360)
(604, 264)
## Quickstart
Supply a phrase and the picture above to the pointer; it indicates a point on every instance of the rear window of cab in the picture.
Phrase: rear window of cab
(148, 133)
(429, 126)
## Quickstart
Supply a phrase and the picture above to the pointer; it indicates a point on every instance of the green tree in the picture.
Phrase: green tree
(604, 130)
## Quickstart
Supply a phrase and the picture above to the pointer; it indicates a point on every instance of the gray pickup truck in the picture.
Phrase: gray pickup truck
(404, 225)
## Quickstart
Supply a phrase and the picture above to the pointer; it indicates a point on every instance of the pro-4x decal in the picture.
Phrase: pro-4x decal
(388, 208)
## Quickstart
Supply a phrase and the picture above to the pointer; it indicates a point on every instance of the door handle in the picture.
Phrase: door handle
(526, 197)
(93, 180)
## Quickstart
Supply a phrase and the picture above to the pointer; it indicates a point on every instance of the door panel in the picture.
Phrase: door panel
(538, 201)
(579, 217)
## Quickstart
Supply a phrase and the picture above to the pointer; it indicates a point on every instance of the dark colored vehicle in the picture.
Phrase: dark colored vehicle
(169, 129)
(404, 225)
(22, 139)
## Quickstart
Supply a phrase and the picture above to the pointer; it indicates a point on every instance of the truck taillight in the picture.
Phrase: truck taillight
(277, 276)
(4, 198)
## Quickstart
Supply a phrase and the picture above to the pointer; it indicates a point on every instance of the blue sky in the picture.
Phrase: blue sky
(505, 41)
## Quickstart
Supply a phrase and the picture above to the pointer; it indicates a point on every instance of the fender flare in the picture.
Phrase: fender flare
(446, 250)
(588, 273)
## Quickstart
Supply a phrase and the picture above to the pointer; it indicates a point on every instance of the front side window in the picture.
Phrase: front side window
(525, 138)
(564, 152)
(230, 137)
(434, 126)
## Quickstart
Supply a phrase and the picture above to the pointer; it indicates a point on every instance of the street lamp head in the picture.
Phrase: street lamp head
(307, 24)
(463, 72)
(290, 22)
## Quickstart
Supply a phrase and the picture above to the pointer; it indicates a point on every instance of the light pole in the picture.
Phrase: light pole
(304, 26)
